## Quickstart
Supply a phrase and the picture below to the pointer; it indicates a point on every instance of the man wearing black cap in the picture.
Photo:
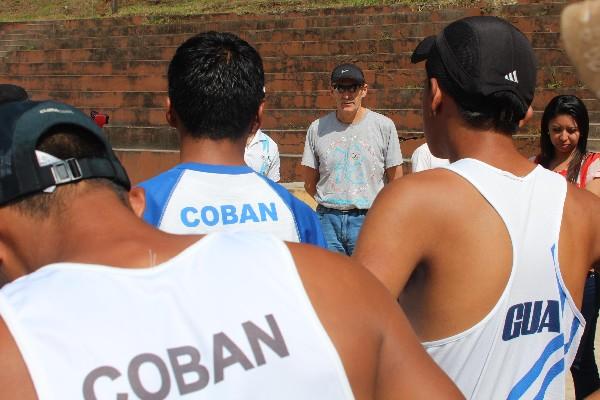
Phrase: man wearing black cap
(102, 305)
(347, 153)
(494, 249)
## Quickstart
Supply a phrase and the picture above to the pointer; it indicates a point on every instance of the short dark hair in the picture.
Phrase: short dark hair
(565, 105)
(10, 93)
(216, 85)
(500, 111)
(64, 142)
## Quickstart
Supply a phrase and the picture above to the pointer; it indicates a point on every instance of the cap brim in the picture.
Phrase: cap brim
(422, 50)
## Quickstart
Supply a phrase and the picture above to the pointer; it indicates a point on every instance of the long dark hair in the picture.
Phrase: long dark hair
(565, 105)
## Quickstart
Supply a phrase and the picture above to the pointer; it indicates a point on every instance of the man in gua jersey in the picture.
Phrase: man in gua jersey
(494, 250)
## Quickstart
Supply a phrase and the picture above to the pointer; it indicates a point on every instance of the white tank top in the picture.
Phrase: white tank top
(524, 347)
(228, 318)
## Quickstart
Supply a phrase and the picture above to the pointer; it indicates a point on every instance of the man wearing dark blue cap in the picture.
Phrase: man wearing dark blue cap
(102, 305)
(487, 256)
(347, 156)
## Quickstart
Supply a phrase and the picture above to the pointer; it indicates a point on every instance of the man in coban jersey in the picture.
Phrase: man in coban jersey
(494, 250)
(125, 310)
(216, 101)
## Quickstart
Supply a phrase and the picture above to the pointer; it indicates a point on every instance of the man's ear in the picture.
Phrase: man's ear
(527, 117)
(170, 115)
(137, 200)
(258, 120)
(436, 95)
(365, 89)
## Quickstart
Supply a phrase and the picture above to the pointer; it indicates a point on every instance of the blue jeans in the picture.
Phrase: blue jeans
(341, 228)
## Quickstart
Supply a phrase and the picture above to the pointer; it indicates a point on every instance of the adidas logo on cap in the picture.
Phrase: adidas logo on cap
(512, 76)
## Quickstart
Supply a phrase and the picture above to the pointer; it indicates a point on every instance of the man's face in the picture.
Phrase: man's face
(348, 95)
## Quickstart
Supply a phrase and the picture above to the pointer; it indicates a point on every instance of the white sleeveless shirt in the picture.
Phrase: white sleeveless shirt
(228, 318)
(524, 347)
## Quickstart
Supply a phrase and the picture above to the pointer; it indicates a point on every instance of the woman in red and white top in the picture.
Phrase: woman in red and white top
(563, 142)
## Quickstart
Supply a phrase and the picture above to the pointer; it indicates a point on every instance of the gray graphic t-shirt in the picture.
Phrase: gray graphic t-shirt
(351, 158)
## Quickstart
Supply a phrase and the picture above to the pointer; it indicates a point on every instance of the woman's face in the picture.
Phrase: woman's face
(564, 133)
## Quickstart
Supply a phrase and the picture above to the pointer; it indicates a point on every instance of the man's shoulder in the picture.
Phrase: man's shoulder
(414, 192)
(379, 118)
(161, 179)
(324, 120)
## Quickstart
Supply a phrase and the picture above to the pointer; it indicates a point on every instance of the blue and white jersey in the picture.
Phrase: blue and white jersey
(524, 347)
(194, 198)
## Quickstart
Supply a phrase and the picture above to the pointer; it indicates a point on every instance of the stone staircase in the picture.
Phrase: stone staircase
(118, 66)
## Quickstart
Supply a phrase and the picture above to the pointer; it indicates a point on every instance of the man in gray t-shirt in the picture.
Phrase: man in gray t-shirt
(346, 155)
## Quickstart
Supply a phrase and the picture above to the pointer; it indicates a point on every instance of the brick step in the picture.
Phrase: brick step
(10, 37)
(89, 82)
(276, 62)
(266, 49)
(552, 77)
(74, 24)
(542, 23)
(405, 119)
(17, 41)
(296, 119)
(159, 136)
(166, 138)
(319, 99)
(35, 62)
(20, 27)
(403, 32)
(376, 61)
(289, 141)
(143, 164)
(115, 68)
(14, 46)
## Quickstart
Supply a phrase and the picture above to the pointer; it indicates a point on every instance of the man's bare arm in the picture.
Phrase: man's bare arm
(389, 244)
(354, 307)
(406, 371)
(15, 382)
(395, 172)
(311, 177)
(594, 187)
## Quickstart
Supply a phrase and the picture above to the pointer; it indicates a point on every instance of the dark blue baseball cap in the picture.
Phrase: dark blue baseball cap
(22, 124)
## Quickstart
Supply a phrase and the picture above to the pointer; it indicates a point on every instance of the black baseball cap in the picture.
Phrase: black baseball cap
(22, 124)
(480, 56)
(10, 92)
(347, 71)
